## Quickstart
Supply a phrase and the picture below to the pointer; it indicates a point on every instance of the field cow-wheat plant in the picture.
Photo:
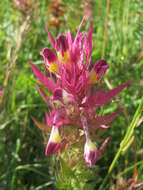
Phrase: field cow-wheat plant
(71, 98)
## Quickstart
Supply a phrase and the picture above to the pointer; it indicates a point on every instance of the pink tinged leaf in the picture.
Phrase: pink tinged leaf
(48, 83)
(49, 122)
(103, 121)
(89, 43)
(49, 56)
(100, 97)
(100, 69)
(50, 37)
(103, 147)
(42, 126)
(61, 120)
(78, 31)
(50, 117)
(43, 94)
(105, 126)
(78, 51)
(69, 38)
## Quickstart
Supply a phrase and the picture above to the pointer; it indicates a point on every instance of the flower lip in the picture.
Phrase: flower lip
(48, 56)
(53, 145)
(58, 94)
(100, 68)
(52, 148)
(61, 44)
(91, 158)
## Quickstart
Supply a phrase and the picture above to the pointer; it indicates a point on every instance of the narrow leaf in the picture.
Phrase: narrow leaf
(100, 97)
(42, 126)
(102, 121)
(50, 37)
(48, 83)
(43, 94)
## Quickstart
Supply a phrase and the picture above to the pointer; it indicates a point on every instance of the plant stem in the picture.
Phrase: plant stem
(128, 135)
(134, 121)
(106, 28)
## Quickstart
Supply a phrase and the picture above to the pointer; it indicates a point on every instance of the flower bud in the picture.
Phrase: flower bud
(90, 153)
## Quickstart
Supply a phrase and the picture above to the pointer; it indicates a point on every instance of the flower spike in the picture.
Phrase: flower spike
(73, 101)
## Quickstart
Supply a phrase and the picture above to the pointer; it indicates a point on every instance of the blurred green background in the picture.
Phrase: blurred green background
(117, 36)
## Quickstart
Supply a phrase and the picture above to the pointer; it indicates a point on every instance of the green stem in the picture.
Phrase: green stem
(128, 135)
(134, 121)
(110, 169)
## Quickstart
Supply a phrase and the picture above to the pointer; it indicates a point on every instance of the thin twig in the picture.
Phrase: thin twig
(13, 57)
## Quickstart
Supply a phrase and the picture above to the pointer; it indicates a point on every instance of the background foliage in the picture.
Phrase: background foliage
(117, 36)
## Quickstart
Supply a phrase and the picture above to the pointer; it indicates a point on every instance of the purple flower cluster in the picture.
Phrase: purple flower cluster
(74, 102)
